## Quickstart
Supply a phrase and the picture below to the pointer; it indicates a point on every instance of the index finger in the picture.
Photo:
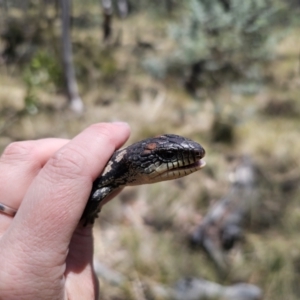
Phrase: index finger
(20, 163)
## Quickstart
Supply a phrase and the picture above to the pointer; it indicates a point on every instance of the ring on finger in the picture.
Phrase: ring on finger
(7, 210)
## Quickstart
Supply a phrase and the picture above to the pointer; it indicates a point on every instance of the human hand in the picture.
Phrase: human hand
(45, 253)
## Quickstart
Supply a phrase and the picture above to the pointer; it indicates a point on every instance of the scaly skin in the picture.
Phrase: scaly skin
(152, 160)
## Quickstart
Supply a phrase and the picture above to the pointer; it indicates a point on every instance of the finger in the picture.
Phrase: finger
(19, 164)
(79, 274)
(56, 199)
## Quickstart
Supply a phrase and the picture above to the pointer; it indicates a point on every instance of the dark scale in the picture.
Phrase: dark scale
(152, 160)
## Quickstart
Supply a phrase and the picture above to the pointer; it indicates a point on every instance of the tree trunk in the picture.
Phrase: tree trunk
(75, 101)
(122, 8)
(107, 19)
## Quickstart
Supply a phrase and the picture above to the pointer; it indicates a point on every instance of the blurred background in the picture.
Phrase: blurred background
(225, 73)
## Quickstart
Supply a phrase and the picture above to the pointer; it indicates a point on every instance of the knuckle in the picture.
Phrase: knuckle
(67, 163)
(19, 150)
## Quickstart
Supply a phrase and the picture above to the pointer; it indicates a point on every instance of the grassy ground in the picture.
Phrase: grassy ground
(142, 234)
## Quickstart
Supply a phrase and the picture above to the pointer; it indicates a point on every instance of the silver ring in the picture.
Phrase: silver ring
(7, 210)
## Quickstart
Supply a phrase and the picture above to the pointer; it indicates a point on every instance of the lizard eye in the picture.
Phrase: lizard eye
(167, 155)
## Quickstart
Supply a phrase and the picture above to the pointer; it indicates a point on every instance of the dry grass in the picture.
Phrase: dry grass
(142, 234)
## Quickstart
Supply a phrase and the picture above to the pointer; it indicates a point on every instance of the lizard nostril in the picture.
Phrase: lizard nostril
(200, 153)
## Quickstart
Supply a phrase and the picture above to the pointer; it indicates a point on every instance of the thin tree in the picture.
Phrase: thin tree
(75, 101)
(107, 19)
(108, 10)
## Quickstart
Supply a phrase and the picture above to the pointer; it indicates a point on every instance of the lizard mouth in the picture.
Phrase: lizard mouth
(175, 172)
(199, 164)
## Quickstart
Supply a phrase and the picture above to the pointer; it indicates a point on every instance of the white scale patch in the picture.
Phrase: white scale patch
(107, 168)
(121, 155)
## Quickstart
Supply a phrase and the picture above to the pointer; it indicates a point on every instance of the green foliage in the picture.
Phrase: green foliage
(157, 7)
(42, 72)
(223, 38)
